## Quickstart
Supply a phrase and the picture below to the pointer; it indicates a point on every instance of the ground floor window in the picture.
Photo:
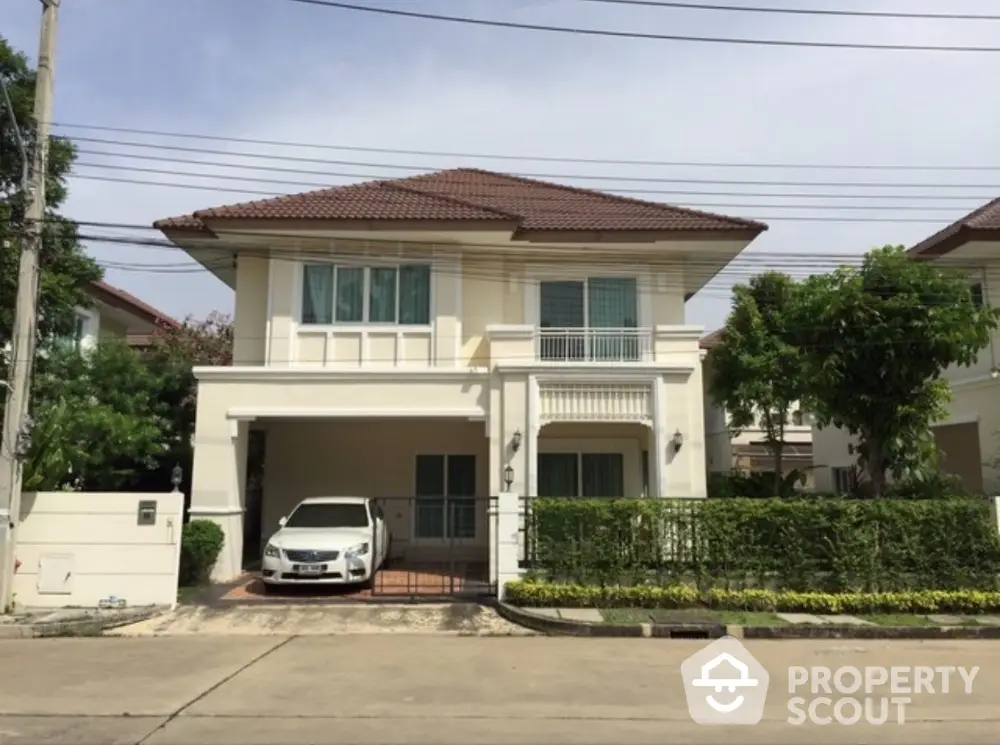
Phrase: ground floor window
(445, 491)
(581, 475)
(843, 480)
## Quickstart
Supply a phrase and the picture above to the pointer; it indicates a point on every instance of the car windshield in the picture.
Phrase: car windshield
(332, 515)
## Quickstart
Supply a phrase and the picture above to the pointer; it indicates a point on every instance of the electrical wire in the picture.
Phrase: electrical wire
(309, 172)
(503, 157)
(308, 185)
(423, 168)
(756, 9)
(647, 36)
(253, 192)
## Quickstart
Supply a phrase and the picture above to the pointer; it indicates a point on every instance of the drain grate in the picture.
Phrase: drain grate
(690, 634)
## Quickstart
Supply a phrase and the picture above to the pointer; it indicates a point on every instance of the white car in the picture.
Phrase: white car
(327, 541)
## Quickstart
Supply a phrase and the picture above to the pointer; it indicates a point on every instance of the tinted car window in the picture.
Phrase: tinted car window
(329, 516)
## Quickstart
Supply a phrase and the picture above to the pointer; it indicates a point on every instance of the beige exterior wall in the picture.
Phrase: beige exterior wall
(78, 549)
(972, 404)
(467, 296)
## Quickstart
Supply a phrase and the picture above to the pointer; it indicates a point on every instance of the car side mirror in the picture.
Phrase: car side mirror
(282, 521)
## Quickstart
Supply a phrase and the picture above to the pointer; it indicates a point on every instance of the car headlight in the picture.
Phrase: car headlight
(359, 549)
(271, 550)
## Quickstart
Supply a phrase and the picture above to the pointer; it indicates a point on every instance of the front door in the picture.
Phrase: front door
(581, 475)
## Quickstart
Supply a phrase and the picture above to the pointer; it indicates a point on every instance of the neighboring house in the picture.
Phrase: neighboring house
(747, 451)
(422, 336)
(116, 313)
(967, 439)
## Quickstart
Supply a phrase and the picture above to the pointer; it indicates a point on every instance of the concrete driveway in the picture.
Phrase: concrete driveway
(440, 690)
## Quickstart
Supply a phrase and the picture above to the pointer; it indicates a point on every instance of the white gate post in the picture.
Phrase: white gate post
(506, 539)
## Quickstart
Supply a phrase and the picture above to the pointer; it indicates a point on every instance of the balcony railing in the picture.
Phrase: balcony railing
(593, 345)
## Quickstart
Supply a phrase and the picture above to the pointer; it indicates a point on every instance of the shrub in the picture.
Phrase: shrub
(534, 594)
(828, 545)
(201, 543)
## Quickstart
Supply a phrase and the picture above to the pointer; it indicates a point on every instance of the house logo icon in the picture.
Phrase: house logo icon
(725, 684)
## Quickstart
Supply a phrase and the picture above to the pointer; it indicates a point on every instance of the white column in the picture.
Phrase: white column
(531, 439)
(658, 455)
(217, 486)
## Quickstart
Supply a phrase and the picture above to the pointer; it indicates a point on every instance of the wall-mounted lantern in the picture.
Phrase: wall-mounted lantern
(677, 441)
(508, 476)
(515, 440)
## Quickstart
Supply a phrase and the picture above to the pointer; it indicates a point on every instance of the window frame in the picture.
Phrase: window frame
(838, 472)
(579, 456)
(978, 292)
(446, 501)
(585, 308)
(367, 268)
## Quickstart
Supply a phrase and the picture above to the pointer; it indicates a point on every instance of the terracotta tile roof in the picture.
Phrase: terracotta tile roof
(468, 194)
(710, 340)
(131, 303)
(982, 223)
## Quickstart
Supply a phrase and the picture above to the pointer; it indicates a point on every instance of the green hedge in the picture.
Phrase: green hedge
(826, 545)
(201, 543)
(532, 594)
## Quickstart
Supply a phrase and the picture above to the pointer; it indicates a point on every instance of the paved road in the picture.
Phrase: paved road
(436, 690)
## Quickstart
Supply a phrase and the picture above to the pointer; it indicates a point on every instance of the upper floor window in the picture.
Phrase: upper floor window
(74, 339)
(977, 294)
(798, 419)
(376, 294)
(598, 302)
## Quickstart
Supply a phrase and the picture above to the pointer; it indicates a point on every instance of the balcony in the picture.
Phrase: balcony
(524, 346)
(576, 345)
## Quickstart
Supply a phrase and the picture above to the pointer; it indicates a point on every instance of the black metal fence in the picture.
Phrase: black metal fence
(435, 547)
(823, 544)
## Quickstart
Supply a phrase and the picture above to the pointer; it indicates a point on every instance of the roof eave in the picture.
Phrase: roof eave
(951, 238)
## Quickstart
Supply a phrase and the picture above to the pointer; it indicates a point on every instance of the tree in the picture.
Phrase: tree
(172, 355)
(97, 421)
(876, 340)
(755, 370)
(65, 269)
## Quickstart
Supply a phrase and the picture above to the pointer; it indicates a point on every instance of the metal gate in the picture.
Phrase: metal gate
(438, 548)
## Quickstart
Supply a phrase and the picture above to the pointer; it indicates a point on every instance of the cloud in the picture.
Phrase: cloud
(280, 71)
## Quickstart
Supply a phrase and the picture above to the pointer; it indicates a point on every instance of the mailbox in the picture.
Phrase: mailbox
(147, 512)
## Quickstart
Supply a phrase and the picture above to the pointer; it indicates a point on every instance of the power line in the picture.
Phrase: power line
(255, 192)
(308, 172)
(576, 31)
(226, 177)
(799, 11)
(504, 157)
(525, 174)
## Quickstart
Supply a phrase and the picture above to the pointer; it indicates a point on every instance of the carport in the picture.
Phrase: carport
(429, 476)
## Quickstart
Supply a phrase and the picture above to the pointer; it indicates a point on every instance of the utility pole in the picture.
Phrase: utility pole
(26, 313)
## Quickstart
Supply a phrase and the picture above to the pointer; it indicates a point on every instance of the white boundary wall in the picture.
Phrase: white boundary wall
(79, 548)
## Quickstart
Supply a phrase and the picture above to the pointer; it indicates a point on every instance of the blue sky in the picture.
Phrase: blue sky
(281, 71)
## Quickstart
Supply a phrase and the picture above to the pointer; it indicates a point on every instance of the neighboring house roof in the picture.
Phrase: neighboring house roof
(980, 224)
(710, 340)
(470, 195)
(129, 303)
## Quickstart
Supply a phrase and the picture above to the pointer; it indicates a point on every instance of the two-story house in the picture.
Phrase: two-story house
(115, 312)
(968, 438)
(747, 450)
(441, 335)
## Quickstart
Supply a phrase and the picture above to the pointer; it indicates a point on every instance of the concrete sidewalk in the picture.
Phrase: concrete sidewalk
(438, 690)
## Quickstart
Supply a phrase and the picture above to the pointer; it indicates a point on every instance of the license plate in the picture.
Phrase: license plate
(311, 570)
